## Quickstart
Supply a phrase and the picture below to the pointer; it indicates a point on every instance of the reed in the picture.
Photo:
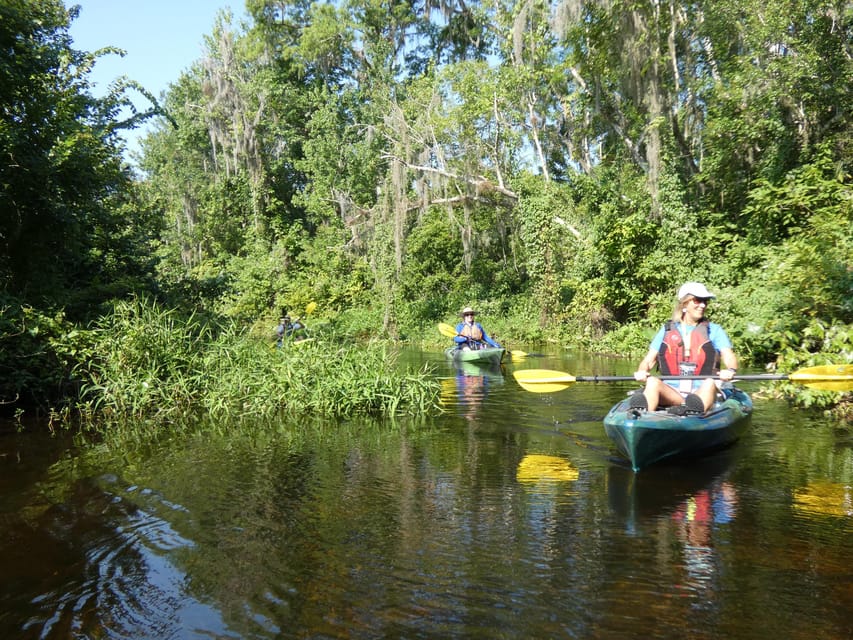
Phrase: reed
(156, 369)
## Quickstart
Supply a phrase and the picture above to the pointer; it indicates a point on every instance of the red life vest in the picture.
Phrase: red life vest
(700, 351)
(472, 331)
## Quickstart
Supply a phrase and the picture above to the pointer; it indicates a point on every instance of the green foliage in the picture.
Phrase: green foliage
(326, 39)
(70, 233)
(678, 247)
(777, 210)
(154, 367)
(587, 316)
(145, 362)
(335, 277)
(37, 355)
(357, 323)
(340, 157)
(783, 288)
(311, 378)
(394, 163)
(257, 273)
(817, 344)
(627, 340)
(432, 279)
(814, 265)
(544, 215)
(621, 234)
(784, 92)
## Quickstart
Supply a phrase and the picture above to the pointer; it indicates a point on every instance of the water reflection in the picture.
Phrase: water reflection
(663, 489)
(821, 497)
(473, 383)
(507, 516)
(548, 483)
(98, 562)
(696, 520)
(545, 470)
(689, 514)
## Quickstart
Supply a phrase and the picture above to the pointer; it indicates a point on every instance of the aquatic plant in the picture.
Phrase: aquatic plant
(156, 368)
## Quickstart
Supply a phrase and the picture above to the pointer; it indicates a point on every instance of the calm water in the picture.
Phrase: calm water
(508, 517)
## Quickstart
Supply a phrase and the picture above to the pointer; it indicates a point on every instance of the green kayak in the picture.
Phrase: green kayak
(487, 355)
(647, 437)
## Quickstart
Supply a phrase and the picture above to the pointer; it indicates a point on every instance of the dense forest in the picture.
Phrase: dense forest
(563, 167)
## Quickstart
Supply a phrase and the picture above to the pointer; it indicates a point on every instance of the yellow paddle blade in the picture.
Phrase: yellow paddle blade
(845, 370)
(518, 355)
(543, 387)
(829, 385)
(543, 380)
(538, 467)
(446, 330)
(828, 377)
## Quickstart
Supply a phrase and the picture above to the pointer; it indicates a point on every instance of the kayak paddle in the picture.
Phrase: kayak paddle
(446, 330)
(830, 377)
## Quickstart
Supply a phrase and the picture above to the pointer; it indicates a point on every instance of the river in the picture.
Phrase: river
(510, 516)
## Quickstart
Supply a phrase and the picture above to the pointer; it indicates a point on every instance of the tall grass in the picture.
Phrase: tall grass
(155, 367)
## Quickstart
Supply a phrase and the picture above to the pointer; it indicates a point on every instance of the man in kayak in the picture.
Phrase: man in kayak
(470, 334)
(687, 345)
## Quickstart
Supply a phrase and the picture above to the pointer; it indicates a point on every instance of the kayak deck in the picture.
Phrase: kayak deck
(648, 437)
(489, 355)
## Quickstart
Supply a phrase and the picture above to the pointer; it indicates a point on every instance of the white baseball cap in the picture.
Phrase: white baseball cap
(696, 289)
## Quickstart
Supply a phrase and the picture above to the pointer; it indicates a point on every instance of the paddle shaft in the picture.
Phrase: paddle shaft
(756, 376)
(830, 377)
(737, 378)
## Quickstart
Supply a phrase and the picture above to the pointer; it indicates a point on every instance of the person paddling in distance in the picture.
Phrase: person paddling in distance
(470, 334)
(286, 328)
(688, 344)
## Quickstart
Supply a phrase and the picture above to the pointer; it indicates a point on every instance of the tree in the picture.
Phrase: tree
(65, 195)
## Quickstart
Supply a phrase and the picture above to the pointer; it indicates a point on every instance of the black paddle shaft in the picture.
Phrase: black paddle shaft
(756, 376)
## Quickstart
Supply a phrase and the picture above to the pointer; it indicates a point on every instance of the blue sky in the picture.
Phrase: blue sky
(162, 38)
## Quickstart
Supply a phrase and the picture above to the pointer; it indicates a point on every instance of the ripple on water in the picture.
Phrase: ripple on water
(124, 581)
